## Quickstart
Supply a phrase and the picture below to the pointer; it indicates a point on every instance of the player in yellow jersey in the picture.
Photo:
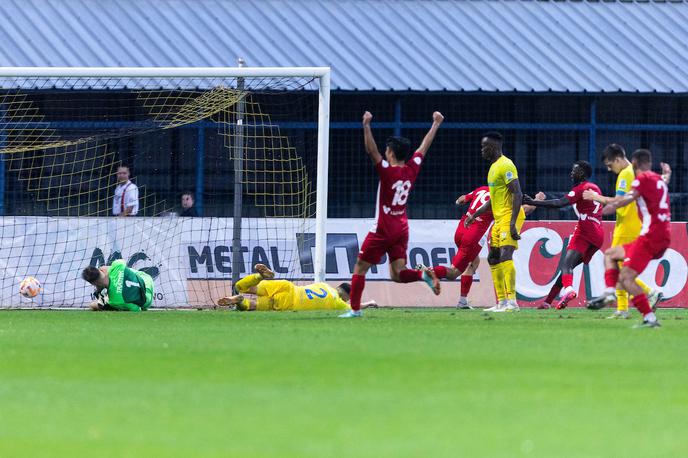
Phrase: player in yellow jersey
(628, 224)
(281, 295)
(505, 202)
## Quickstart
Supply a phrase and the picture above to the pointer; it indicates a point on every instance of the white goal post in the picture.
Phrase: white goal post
(321, 74)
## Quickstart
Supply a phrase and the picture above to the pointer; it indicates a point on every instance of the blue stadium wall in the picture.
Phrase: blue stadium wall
(544, 134)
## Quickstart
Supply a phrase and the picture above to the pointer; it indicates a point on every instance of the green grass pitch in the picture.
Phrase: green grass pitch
(421, 383)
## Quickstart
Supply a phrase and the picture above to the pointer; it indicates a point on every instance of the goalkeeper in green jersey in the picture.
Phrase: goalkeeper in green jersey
(119, 288)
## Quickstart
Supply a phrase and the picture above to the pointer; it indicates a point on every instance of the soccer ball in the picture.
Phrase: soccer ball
(29, 287)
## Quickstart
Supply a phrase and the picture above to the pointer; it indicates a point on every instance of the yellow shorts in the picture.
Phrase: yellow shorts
(501, 231)
(280, 292)
(620, 238)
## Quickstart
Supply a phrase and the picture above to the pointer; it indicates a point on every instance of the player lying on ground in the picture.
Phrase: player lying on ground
(652, 195)
(587, 236)
(628, 225)
(469, 241)
(119, 287)
(280, 295)
(505, 203)
(390, 233)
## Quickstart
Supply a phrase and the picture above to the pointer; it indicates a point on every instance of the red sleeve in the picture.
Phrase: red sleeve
(470, 196)
(415, 163)
(381, 167)
(574, 195)
(638, 182)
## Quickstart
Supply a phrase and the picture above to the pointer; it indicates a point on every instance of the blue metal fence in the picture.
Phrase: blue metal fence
(457, 143)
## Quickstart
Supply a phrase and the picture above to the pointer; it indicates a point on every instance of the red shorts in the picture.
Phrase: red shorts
(643, 250)
(471, 234)
(468, 242)
(583, 246)
(376, 245)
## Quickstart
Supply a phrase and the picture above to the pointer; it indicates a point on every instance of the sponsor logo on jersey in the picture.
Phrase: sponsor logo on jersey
(120, 282)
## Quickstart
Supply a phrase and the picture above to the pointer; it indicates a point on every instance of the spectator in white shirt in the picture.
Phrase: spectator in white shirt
(126, 200)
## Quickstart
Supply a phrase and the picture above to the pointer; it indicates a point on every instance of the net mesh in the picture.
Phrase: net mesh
(62, 142)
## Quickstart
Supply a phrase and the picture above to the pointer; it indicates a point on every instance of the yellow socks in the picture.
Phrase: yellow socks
(621, 300)
(244, 305)
(499, 281)
(263, 303)
(248, 281)
(509, 272)
(622, 295)
(646, 289)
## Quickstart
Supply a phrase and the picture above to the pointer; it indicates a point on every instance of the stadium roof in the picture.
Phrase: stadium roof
(400, 45)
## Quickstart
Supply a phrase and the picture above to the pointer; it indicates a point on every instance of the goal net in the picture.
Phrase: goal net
(79, 146)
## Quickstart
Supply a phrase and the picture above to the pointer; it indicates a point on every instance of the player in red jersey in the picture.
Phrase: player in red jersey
(587, 236)
(390, 233)
(652, 195)
(468, 244)
(469, 241)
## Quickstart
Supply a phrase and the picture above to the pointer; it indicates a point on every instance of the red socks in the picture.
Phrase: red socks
(440, 271)
(410, 275)
(357, 285)
(640, 302)
(611, 277)
(553, 293)
(466, 282)
(566, 280)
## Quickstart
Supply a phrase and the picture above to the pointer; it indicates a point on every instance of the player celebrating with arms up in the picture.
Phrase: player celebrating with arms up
(390, 233)
(652, 195)
(587, 236)
(505, 202)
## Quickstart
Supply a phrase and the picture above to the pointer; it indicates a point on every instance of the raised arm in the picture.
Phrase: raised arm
(368, 140)
(515, 188)
(461, 200)
(437, 119)
(666, 172)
